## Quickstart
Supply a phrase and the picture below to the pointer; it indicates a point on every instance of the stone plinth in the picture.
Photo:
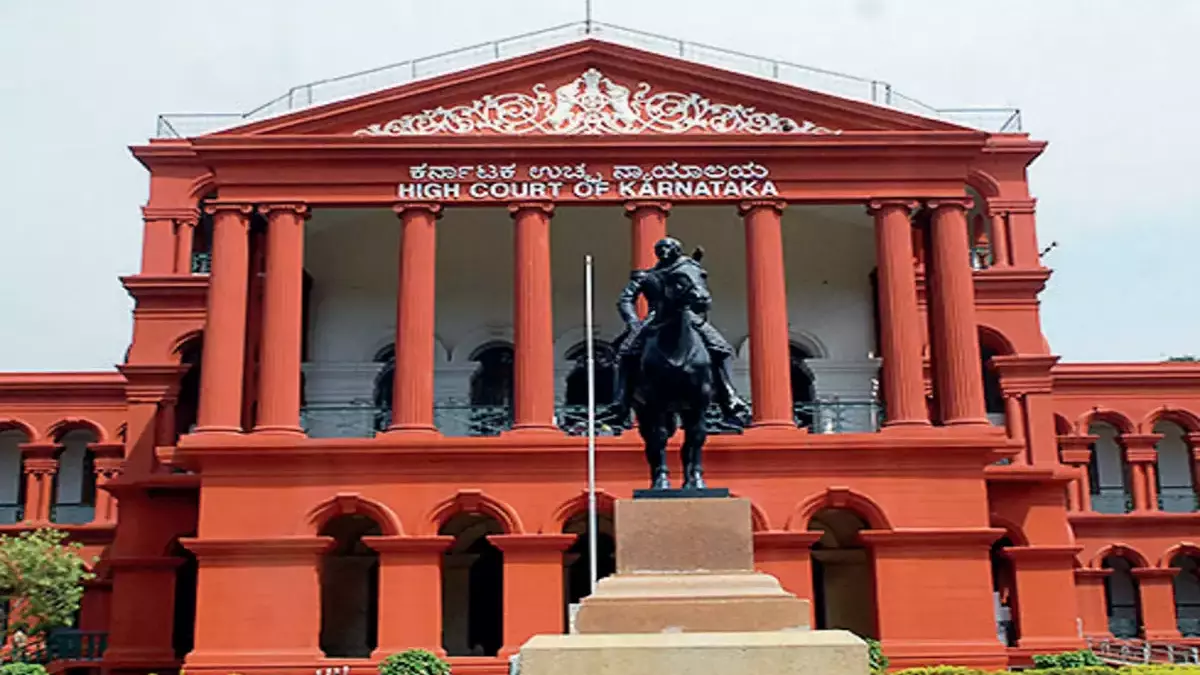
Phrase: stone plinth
(687, 565)
(801, 652)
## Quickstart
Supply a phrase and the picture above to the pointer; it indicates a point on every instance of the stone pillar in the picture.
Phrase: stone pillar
(410, 568)
(533, 588)
(225, 327)
(1046, 597)
(282, 321)
(1076, 451)
(533, 323)
(1021, 229)
(1014, 418)
(185, 235)
(40, 467)
(412, 388)
(243, 584)
(954, 334)
(767, 312)
(649, 224)
(1142, 455)
(159, 237)
(1093, 612)
(1158, 602)
(787, 556)
(141, 624)
(107, 469)
(910, 572)
(899, 317)
(999, 238)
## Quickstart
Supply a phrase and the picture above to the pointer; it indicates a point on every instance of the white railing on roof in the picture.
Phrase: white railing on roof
(186, 125)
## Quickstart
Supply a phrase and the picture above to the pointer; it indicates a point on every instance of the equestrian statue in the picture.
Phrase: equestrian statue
(672, 365)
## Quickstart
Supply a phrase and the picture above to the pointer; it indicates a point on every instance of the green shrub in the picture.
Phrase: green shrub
(1077, 659)
(408, 662)
(22, 669)
(1076, 670)
(943, 670)
(875, 655)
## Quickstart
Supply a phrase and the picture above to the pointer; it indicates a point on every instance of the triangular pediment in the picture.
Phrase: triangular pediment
(591, 88)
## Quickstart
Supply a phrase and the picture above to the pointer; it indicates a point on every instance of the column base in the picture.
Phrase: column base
(413, 428)
(905, 426)
(532, 429)
(969, 422)
(217, 430)
(278, 430)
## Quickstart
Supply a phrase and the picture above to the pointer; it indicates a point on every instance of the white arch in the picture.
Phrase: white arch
(460, 353)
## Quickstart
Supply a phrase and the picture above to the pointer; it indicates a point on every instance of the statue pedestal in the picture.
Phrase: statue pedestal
(686, 599)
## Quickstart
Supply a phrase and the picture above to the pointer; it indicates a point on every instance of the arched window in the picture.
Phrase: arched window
(183, 627)
(1004, 594)
(993, 395)
(1122, 598)
(350, 588)
(1108, 471)
(605, 357)
(74, 488)
(1176, 493)
(12, 478)
(803, 391)
(187, 404)
(472, 587)
(385, 383)
(577, 559)
(843, 574)
(1187, 594)
(492, 389)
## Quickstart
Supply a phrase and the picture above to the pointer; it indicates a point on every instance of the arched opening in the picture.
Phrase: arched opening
(12, 476)
(1108, 472)
(1004, 594)
(1122, 598)
(573, 417)
(993, 395)
(1176, 492)
(187, 404)
(183, 626)
(74, 487)
(472, 587)
(492, 389)
(843, 574)
(350, 588)
(576, 561)
(1187, 594)
(385, 383)
(803, 391)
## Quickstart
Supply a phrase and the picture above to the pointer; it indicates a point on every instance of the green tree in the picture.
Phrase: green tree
(41, 576)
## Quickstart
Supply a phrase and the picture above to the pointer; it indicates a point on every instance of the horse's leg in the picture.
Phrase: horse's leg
(695, 432)
(654, 435)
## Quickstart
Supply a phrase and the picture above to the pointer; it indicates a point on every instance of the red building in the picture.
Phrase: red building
(348, 421)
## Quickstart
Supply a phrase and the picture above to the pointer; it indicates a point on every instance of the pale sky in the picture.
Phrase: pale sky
(1111, 84)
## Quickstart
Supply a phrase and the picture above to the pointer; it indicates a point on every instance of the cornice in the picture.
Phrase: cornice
(531, 543)
(1156, 376)
(432, 545)
(1001, 286)
(170, 213)
(932, 537)
(78, 388)
(241, 551)
(1025, 374)
(772, 540)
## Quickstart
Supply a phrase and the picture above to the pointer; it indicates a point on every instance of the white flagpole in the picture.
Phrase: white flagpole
(591, 422)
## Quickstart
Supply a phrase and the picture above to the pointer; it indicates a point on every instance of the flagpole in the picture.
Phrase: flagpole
(591, 422)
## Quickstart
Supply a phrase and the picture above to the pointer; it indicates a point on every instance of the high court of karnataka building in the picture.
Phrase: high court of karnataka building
(351, 417)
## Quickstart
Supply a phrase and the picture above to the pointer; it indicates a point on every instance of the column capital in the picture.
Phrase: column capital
(1097, 574)
(1140, 444)
(632, 207)
(301, 211)
(40, 466)
(111, 449)
(431, 208)
(778, 205)
(876, 205)
(263, 550)
(545, 207)
(176, 213)
(964, 203)
(429, 545)
(997, 206)
(45, 449)
(109, 467)
(213, 208)
(516, 543)
(1167, 573)
(784, 540)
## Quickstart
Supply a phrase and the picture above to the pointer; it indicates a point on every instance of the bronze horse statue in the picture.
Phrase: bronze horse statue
(673, 386)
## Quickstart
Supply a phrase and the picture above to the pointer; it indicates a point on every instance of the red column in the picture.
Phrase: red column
(533, 330)
(185, 234)
(40, 467)
(283, 307)
(1158, 602)
(649, 220)
(533, 585)
(225, 329)
(899, 318)
(411, 568)
(412, 388)
(1093, 611)
(955, 336)
(999, 239)
(1014, 421)
(770, 370)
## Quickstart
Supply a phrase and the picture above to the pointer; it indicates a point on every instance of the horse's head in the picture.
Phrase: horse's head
(685, 285)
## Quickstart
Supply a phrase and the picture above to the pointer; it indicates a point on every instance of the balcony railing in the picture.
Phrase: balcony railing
(340, 88)
(69, 644)
(201, 262)
(455, 418)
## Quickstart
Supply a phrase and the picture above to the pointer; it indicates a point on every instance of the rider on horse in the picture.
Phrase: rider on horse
(669, 253)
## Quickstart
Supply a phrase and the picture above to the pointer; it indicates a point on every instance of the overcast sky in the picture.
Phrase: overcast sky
(1111, 84)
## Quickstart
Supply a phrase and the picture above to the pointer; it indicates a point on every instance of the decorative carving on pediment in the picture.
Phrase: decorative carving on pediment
(592, 104)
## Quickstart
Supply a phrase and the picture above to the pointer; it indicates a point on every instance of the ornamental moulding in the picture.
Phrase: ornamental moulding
(592, 104)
